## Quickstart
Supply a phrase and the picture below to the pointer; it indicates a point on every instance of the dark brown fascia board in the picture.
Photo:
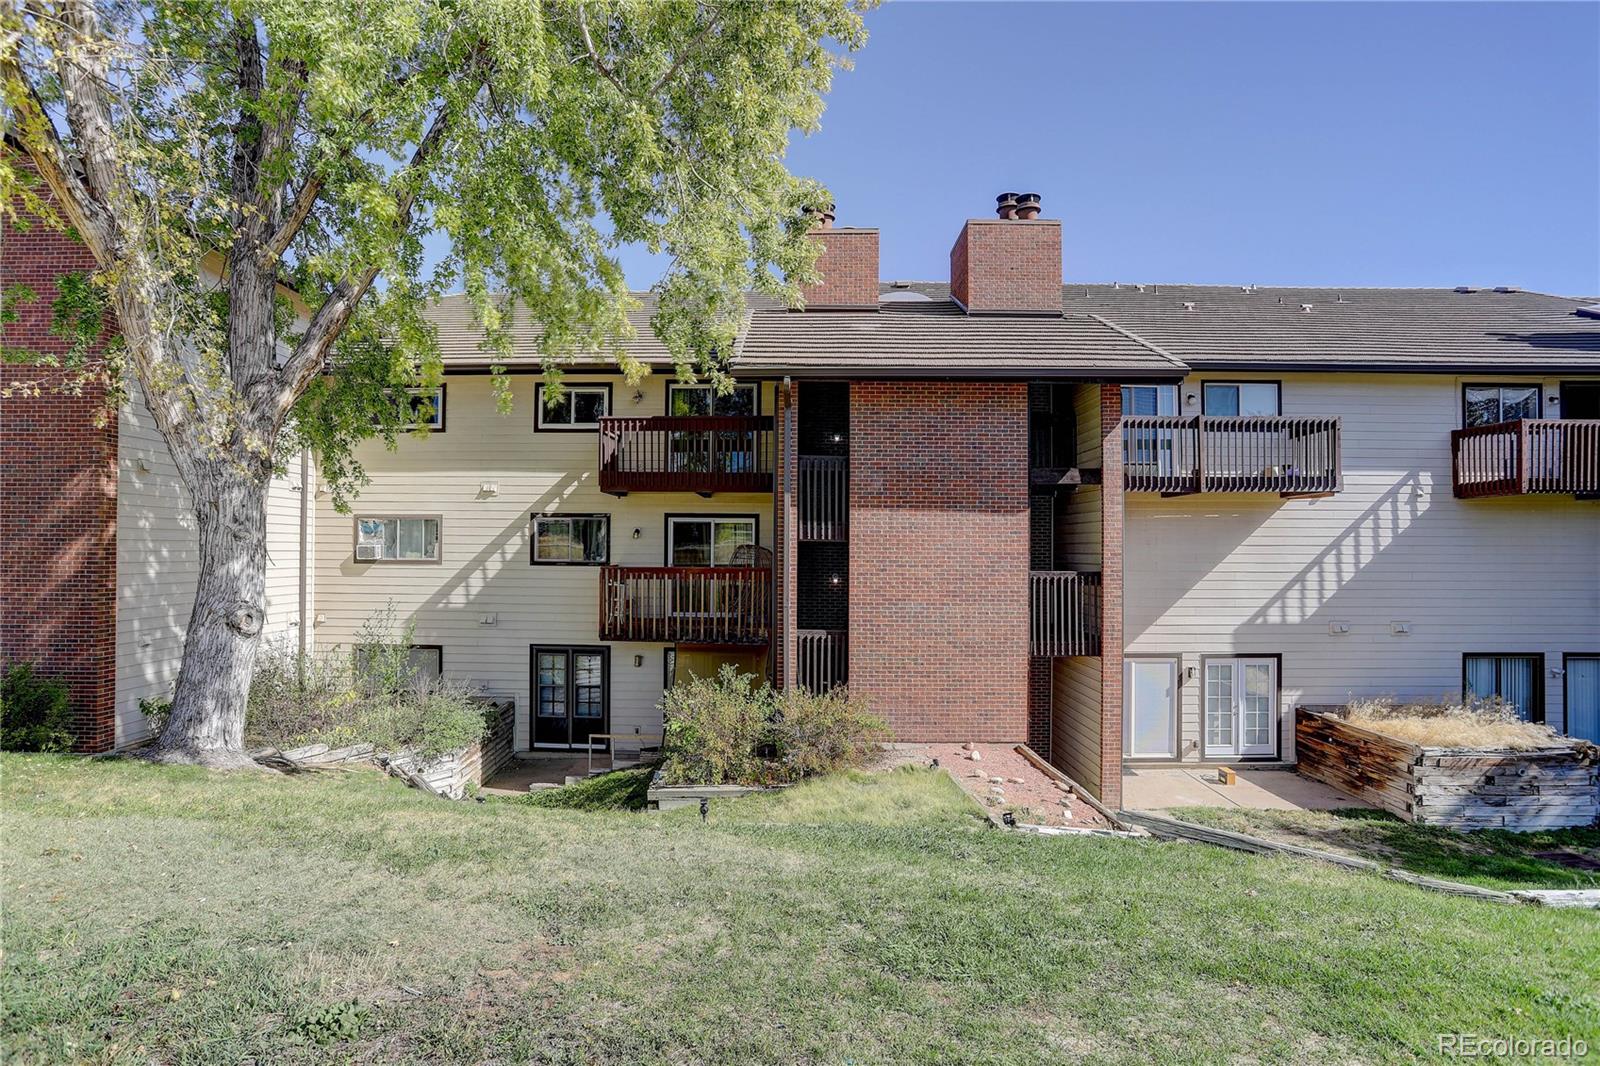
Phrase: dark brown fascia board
(901, 373)
(1334, 367)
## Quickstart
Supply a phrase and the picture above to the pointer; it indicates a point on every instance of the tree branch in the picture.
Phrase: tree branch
(299, 211)
(594, 56)
(331, 318)
(683, 53)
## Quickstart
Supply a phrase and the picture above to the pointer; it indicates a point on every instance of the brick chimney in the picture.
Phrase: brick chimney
(1009, 265)
(848, 264)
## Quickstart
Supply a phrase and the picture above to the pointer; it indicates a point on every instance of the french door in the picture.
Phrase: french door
(1150, 708)
(571, 696)
(1583, 696)
(1241, 707)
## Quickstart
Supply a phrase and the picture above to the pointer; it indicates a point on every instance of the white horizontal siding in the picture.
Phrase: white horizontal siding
(1238, 574)
(485, 549)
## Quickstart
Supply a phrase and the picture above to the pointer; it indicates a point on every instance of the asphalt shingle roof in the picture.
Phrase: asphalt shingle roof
(1130, 331)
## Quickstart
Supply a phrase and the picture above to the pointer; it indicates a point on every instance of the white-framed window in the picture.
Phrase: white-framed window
(1150, 399)
(427, 408)
(580, 407)
(397, 540)
(692, 400)
(1484, 405)
(1241, 707)
(580, 539)
(708, 540)
(1222, 399)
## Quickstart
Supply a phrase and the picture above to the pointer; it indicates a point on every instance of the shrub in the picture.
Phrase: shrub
(371, 695)
(1448, 722)
(823, 733)
(34, 714)
(728, 730)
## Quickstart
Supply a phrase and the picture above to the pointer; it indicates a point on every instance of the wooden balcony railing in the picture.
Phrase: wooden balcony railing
(1177, 455)
(1529, 455)
(823, 497)
(713, 605)
(822, 658)
(702, 454)
(1065, 613)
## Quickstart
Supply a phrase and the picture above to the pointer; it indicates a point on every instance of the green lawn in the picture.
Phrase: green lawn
(168, 914)
(1491, 858)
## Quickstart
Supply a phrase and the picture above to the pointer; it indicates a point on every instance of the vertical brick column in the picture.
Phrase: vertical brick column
(1111, 644)
(58, 501)
(939, 557)
(785, 535)
(1039, 705)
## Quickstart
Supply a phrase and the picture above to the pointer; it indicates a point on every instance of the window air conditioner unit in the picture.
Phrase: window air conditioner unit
(369, 551)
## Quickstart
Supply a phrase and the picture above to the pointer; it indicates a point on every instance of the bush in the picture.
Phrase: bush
(34, 715)
(372, 696)
(728, 730)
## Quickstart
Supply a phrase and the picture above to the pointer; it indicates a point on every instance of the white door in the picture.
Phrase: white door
(1241, 707)
(1150, 701)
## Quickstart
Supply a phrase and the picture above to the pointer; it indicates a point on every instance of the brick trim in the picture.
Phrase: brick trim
(1111, 638)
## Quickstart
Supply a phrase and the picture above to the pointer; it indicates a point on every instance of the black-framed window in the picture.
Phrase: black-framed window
(397, 539)
(423, 661)
(1149, 400)
(570, 682)
(1517, 679)
(1222, 399)
(426, 406)
(581, 406)
(709, 540)
(1484, 405)
(669, 667)
(691, 400)
(572, 540)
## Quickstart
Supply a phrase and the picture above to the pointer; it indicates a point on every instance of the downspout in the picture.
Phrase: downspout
(305, 550)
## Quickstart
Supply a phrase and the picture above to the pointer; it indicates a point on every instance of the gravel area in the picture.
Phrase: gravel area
(1002, 780)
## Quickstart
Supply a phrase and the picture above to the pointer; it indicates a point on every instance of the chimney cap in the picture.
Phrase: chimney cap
(1027, 205)
(1006, 205)
(822, 217)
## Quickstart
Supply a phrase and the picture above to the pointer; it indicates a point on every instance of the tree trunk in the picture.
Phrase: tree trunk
(219, 651)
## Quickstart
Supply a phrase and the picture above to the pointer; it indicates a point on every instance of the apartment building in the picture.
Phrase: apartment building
(1121, 523)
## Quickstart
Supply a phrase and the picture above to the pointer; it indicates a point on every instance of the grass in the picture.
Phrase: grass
(1491, 858)
(619, 790)
(1450, 723)
(167, 914)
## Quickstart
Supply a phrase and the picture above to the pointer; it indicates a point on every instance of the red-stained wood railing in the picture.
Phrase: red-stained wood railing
(1065, 613)
(706, 454)
(1527, 456)
(713, 605)
(1194, 453)
(823, 497)
(822, 658)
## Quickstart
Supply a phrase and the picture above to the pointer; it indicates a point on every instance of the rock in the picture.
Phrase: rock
(975, 755)
(992, 801)
(1061, 787)
(967, 746)
(997, 790)
(1016, 780)
(997, 780)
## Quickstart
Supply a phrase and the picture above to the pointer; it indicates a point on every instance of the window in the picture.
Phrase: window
(1484, 405)
(708, 540)
(669, 668)
(1150, 714)
(423, 661)
(580, 407)
(1251, 398)
(583, 539)
(1516, 679)
(427, 408)
(397, 540)
(689, 400)
(1149, 399)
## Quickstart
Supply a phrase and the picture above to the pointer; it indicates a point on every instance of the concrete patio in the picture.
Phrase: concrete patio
(1275, 789)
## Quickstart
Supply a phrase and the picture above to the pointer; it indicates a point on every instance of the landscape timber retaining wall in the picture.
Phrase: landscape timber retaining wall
(1458, 788)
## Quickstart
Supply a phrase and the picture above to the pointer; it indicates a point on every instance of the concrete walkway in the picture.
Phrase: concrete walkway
(1284, 790)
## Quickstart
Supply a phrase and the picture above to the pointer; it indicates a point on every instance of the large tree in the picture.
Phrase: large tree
(371, 155)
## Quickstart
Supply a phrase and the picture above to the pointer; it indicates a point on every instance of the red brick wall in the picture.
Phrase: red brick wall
(58, 503)
(939, 557)
(849, 267)
(1008, 265)
(1039, 705)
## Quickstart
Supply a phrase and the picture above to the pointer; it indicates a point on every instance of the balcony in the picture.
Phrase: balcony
(823, 497)
(822, 658)
(1530, 456)
(1176, 456)
(1064, 608)
(703, 454)
(719, 606)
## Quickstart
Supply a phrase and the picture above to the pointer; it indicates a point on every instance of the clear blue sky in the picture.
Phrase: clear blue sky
(1341, 144)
